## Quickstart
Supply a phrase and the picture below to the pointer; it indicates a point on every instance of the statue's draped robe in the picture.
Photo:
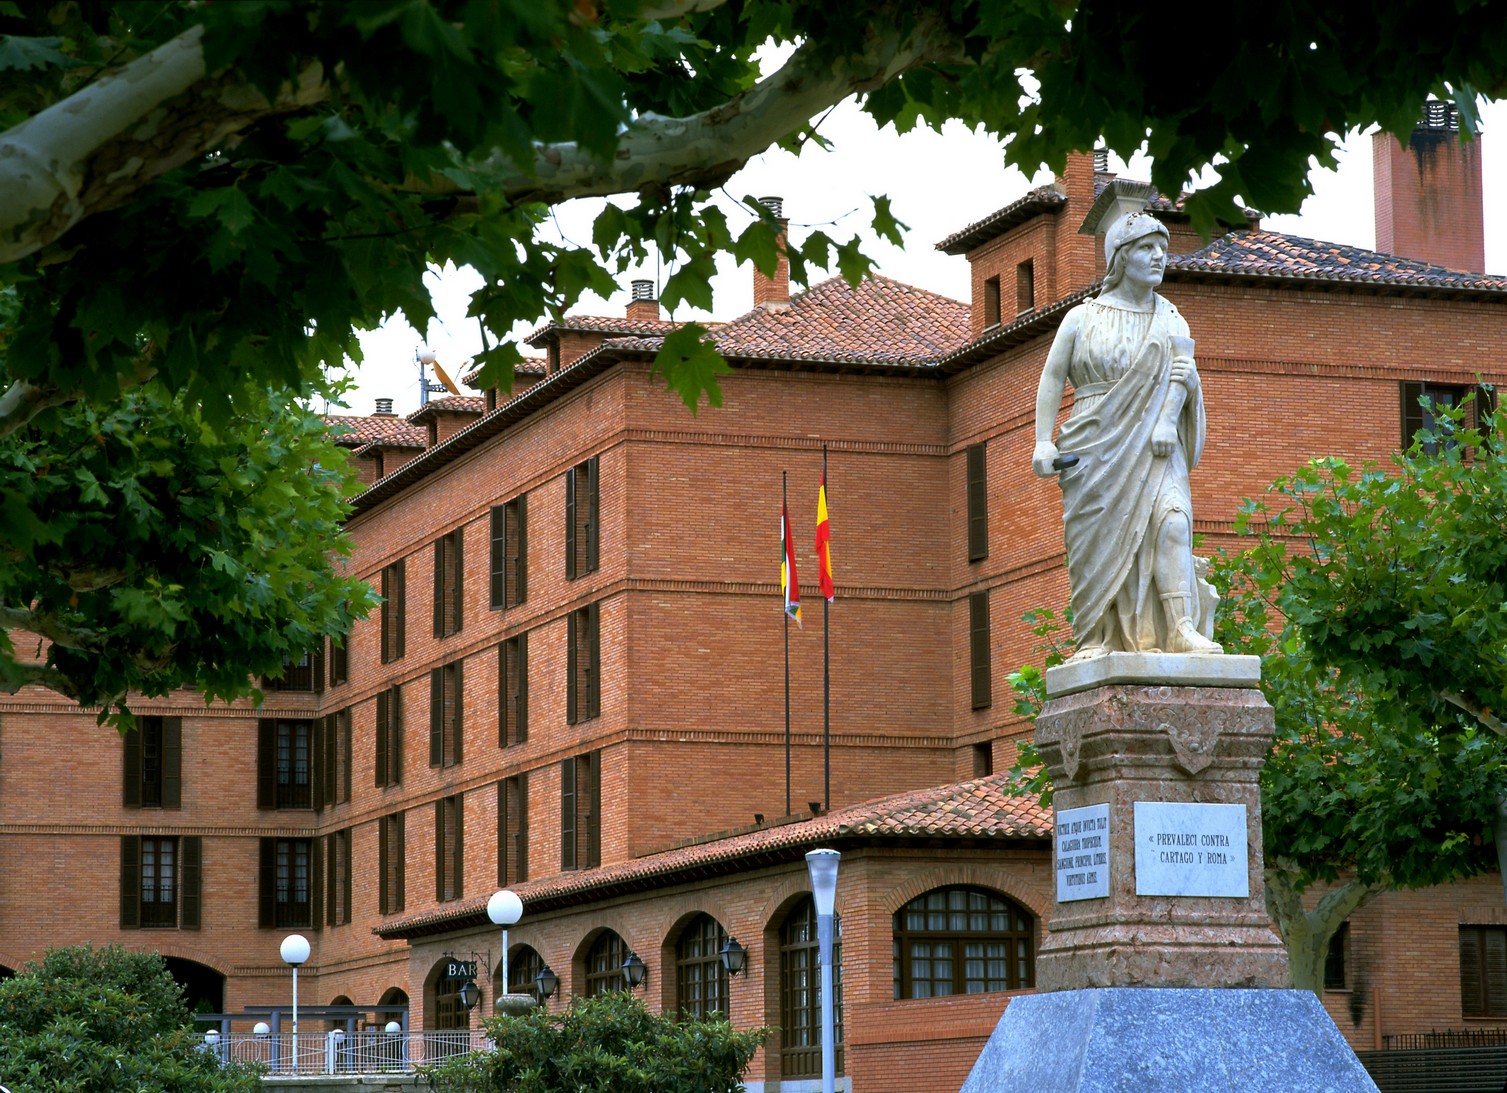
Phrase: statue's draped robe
(1118, 495)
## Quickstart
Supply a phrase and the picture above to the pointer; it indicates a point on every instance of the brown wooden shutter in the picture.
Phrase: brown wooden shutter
(384, 865)
(172, 762)
(593, 661)
(572, 681)
(436, 716)
(520, 550)
(439, 850)
(520, 706)
(593, 516)
(191, 860)
(568, 813)
(130, 882)
(498, 593)
(458, 582)
(457, 711)
(317, 762)
(458, 846)
(316, 666)
(389, 614)
(441, 575)
(130, 769)
(266, 762)
(380, 752)
(589, 804)
(395, 736)
(512, 830)
(316, 882)
(332, 884)
(400, 626)
(1412, 412)
(978, 512)
(978, 648)
(343, 742)
(570, 523)
(400, 860)
(266, 901)
(345, 877)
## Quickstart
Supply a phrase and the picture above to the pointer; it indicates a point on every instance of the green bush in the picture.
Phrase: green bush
(86, 1020)
(607, 1044)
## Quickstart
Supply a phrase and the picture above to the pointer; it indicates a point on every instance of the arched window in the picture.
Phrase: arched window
(524, 966)
(604, 964)
(700, 978)
(444, 1009)
(800, 995)
(963, 941)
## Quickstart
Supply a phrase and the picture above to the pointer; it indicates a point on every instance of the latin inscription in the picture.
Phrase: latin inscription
(1081, 837)
(1191, 850)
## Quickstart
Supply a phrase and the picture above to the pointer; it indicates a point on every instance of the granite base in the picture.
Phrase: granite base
(1163, 1040)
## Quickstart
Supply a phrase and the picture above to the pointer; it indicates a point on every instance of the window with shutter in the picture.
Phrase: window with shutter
(390, 864)
(152, 763)
(1483, 971)
(512, 691)
(449, 853)
(978, 648)
(1423, 403)
(448, 603)
(512, 830)
(337, 858)
(582, 519)
(583, 698)
(394, 608)
(446, 715)
(978, 510)
(568, 854)
(160, 881)
(389, 737)
(509, 553)
(289, 883)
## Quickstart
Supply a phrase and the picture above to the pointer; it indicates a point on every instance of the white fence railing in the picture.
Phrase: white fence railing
(341, 1052)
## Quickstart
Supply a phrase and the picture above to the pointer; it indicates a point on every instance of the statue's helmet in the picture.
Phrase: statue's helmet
(1128, 229)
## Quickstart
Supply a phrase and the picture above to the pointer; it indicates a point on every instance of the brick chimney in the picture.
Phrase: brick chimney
(1428, 195)
(643, 304)
(773, 293)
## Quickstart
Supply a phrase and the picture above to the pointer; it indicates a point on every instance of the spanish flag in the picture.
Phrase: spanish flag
(823, 543)
(788, 584)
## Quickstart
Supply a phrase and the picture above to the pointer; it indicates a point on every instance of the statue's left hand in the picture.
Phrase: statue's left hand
(1163, 439)
(1185, 372)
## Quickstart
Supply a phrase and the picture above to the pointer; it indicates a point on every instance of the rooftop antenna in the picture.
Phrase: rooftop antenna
(425, 358)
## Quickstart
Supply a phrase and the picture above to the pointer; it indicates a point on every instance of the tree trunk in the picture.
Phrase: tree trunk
(1307, 933)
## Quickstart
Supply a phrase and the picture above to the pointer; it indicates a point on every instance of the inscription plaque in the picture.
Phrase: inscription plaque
(1081, 840)
(1191, 850)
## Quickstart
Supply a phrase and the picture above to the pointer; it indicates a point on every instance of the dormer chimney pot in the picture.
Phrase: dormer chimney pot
(773, 293)
(642, 303)
(384, 407)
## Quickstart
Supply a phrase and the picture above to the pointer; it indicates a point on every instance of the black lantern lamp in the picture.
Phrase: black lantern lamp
(634, 970)
(547, 981)
(469, 994)
(734, 957)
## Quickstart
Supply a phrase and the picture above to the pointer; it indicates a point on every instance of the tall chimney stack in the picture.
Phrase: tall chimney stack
(773, 293)
(643, 304)
(1428, 194)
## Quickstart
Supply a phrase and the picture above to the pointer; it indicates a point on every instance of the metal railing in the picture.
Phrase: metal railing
(342, 1052)
(1454, 1037)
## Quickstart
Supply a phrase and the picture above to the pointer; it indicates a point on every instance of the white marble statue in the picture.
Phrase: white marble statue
(1123, 456)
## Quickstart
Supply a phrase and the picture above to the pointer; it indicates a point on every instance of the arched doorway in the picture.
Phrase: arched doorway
(203, 987)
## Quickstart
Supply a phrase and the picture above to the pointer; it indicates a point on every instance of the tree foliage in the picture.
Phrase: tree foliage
(150, 549)
(86, 1020)
(607, 1044)
(1377, 600)
(209, 199)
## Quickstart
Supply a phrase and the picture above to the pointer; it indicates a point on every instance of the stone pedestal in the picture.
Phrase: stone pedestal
(1167, 1041)
(1123, 744)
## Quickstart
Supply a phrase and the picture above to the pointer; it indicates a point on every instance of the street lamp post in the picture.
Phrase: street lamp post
(505, 909)
(295, 950)
(822, 865)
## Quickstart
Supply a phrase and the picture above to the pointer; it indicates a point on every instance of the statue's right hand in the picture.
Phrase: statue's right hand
(1042, 457)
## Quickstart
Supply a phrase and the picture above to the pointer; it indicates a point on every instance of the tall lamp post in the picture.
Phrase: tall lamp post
(822, 864)
(505, 909)
(295, 950)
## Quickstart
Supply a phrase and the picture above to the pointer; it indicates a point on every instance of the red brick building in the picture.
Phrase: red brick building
(576, 685)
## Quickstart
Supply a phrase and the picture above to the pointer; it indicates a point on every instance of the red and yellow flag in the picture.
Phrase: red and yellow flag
(788, 584)
(823, 543)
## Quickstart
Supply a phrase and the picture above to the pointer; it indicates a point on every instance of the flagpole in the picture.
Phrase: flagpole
(784, 503)
(826, 686)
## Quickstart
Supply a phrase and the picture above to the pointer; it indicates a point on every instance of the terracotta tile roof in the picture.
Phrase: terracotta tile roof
(450, 404)
(964, 811)
(1041, 199)
(879, 322)
(1270, 254)
(385, 429)
(612, 325)
(529, 366)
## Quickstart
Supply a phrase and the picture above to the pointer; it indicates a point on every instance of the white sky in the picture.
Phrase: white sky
(938, 183)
